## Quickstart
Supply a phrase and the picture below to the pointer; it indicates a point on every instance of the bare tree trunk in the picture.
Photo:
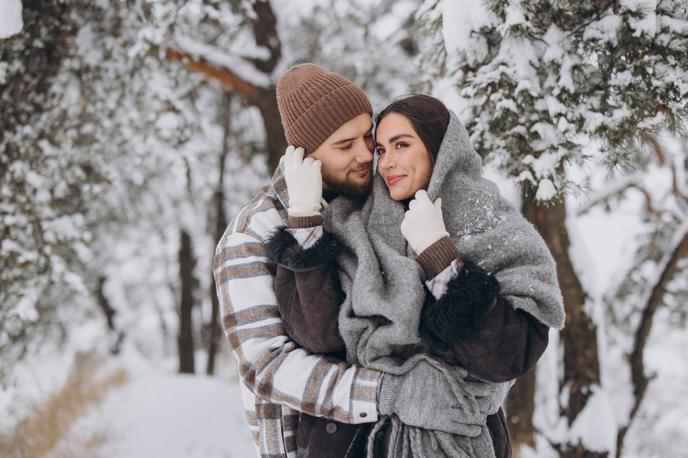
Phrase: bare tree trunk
(274, 133)
(109, 313)
(220, 225)
(579, 338)
(188, 283)
(104, 304)
(520, 406)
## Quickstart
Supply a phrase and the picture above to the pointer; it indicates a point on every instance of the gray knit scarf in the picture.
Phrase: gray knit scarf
(380, 318)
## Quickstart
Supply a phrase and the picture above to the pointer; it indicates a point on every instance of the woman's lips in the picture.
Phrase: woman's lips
(394, 179)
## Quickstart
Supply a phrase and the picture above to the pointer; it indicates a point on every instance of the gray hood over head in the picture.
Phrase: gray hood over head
(483, 225)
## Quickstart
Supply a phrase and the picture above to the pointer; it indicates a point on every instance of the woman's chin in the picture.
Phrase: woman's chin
(399, 195)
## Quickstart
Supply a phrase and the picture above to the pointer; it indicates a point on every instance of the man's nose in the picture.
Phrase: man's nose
(363, 154)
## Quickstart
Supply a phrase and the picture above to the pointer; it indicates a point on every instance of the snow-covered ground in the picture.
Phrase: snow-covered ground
(169, 415)
(157, 412)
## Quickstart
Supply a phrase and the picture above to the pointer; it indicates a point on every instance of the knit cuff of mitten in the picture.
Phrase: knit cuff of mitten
(438, 256)
(296, 222)
(387, 392)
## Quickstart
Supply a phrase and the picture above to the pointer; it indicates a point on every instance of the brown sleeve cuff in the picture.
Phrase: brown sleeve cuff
(438, 256)
(297, 222)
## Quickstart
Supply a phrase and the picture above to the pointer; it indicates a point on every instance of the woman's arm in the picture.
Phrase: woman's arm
(307, 285)
(485, 333)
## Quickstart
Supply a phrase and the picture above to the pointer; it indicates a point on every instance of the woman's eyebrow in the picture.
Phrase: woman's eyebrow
(397, 137)
(393, 139)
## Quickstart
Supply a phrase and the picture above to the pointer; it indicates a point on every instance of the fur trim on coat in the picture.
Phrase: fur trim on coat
(284, 250)
(461, 312)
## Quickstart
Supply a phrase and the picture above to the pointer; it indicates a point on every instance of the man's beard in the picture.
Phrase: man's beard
(348, 189)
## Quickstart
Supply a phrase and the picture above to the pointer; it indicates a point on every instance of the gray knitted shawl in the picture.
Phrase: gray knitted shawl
(380, 318)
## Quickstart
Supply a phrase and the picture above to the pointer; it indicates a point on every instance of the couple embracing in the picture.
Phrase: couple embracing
(380, 295)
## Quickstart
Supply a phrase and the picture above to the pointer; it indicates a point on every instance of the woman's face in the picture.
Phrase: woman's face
(403, 162)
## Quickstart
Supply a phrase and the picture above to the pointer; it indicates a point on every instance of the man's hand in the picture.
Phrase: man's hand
(304, 183)
(424, 397)
(423, 224)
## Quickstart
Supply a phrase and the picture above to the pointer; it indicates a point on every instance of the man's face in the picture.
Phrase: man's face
(347, 158)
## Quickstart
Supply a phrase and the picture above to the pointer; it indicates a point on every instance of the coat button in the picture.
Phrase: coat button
(331, 428)
(363, 414)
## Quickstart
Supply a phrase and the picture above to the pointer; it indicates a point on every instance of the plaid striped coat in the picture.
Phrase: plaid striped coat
(278, 378)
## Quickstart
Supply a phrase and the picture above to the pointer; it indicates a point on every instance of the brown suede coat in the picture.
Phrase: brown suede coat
(505, 345)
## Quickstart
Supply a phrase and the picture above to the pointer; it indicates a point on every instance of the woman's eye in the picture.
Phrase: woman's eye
(400, 145)
(379, 151)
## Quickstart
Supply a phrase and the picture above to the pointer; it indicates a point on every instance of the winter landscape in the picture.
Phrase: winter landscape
(132, 132)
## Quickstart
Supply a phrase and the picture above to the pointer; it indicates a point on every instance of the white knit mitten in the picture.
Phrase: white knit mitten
(423, 224)
(304, 183)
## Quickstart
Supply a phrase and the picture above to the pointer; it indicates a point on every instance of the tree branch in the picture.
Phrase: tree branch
(676, 187)
(675, 184)
(638, 377)
(225, 76)
(619, 190)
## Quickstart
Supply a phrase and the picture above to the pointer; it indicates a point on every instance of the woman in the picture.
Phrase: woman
(482, 298)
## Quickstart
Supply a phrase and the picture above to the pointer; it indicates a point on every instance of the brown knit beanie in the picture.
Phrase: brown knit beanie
(313, 103)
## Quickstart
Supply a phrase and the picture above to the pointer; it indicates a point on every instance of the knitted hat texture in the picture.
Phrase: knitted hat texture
(314, 102)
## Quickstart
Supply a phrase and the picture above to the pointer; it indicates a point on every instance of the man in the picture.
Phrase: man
(330, 118)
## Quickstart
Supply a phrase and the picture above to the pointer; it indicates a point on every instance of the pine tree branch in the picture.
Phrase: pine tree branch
(601, 10)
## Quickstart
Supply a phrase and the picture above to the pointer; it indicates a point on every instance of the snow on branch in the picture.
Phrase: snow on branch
(229, 70)
(239, 65)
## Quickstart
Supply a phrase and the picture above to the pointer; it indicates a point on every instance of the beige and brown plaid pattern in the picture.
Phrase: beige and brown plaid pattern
(279, 379)
(306, 236)
(438, 284)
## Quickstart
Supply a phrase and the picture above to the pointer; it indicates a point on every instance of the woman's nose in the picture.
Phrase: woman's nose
(386, 161)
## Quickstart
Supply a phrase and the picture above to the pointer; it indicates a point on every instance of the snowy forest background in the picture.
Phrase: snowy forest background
(132, 131)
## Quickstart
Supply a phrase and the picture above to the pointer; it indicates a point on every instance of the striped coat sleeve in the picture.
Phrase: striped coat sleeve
(271, 365)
